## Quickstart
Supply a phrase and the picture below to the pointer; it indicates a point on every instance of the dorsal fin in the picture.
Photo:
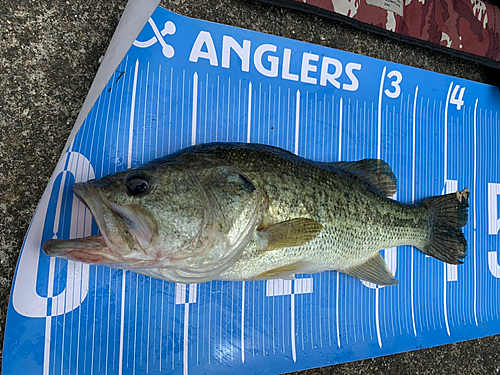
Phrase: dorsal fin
(375, 172)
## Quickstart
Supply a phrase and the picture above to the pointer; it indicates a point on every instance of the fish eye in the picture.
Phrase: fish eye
(137, 184)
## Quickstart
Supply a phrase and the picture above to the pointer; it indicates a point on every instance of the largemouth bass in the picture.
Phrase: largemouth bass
(234, 211)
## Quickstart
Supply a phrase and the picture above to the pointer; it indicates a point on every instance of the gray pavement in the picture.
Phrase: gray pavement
(49, 53)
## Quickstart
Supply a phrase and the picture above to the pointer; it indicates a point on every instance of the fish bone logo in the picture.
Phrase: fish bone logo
(168, 29)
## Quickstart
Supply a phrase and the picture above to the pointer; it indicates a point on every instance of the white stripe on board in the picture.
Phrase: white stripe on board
(228, 107)
(338, 275)
(292, 331)
(413, 149)
(92, 351)
(186, 341)
(46, 350)
(129, 165)
(445, 276)
(243, 283)
(183, 98)
(132, 115)
(206, 109)
(474, 212)
(239, 110)
(110, 282)
(58, 208)
(193, 293)
(292, 300)
(149, 327)
(337, 309)
(50, 294)
(79, 176)
(377, 316)
(193, 287)
(446, 134)
(340, 130)
(297, 122)
(451, 269)
(123, 283)
(145, 111)
(161, 320)
(243, 322)
(117, 136)
(379, 151)
(180, 293)
(195, 108)
(379, 114)
(413, 201)
(445, 307)
(158, 112)
(249, 111)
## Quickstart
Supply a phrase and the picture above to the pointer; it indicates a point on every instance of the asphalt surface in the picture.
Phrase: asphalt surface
(49, 54)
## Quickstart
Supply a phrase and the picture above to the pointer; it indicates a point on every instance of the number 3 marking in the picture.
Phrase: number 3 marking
(395, 84)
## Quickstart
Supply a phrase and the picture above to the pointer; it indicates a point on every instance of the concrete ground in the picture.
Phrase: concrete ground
(49, 53)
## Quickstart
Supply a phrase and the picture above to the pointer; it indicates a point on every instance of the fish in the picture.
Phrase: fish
(243, 212)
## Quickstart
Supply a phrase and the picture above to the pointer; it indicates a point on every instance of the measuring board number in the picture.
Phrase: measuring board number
(459, 102)
(396, 77)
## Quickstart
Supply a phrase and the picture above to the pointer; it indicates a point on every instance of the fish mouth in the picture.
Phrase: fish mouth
(123, 229)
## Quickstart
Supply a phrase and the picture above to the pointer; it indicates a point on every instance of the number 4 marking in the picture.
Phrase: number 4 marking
(458, 101)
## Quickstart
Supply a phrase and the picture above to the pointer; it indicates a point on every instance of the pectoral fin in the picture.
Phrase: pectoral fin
(284, 272)
(290, 233)
(374, 270)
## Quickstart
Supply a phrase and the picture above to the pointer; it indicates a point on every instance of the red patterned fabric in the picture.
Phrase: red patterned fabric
(470, 27)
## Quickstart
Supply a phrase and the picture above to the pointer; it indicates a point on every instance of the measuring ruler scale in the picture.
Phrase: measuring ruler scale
(185, 82)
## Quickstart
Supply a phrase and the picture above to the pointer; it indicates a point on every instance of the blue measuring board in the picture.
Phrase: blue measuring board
(186, 81)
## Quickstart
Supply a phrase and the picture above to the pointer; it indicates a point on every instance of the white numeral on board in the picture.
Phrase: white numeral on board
(493, 220)
(457, 101)
(397, 89)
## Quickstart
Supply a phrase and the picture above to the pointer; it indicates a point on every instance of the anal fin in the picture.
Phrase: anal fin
(290, 233)
(374, 270)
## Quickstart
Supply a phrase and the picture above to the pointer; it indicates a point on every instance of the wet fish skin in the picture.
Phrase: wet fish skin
(232, 211)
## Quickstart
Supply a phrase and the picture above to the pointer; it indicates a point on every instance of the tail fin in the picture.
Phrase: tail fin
(447, 215)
